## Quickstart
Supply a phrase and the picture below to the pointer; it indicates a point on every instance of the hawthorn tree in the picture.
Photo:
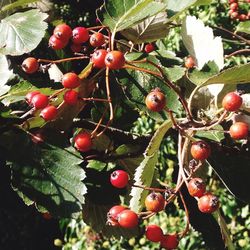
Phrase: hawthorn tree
(68, 131)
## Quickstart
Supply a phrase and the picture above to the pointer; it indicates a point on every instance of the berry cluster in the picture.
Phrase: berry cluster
(235, 12)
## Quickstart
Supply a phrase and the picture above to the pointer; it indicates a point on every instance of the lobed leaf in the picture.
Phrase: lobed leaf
(243, 27)
(5, 75)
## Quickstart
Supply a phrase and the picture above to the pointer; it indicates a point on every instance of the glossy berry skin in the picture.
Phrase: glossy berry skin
(40, 101)
(71, 80)
(119, 178)
(234, 6)
(56, 43)
(232, 101)
(149, 47)
(196, 187)
(200, 150)
(154, 233)
(115, 211)
(155, 100)
(128, 219)
(49, 113)
(115, 59)
(170, 241)
(208, 203)
(80, 35)
(30, 95)
(71, 97)
(63, 31)
(30, 65)
(98, 58)
(189, 62)
(155, 202)
(83, 142)
(239, 130)
(97, 39)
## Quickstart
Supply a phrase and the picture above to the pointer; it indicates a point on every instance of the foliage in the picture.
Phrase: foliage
(49, 172)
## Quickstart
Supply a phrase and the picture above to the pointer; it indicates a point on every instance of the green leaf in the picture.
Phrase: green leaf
(22, 32)
(47, 173)
(100, 166)
(145, 171)
(122, 14)
(243, 27)
(137, 84)
(198, 77)
(235, 75)
(5, 75)
(151, 29)
(18, 92)
(19, 3)
(217, 135)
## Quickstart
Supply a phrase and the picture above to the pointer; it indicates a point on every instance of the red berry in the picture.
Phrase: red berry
(83, 141)
(128, 219)
(114, 212)
(235, 15)
(71, 80)
(47, 216)
(189, 62)
(232, 101)
(119, 178)
(56, 43)
(239, 130)
(80, 35)
(40, 101)
(232, 1)
(30, 65)
(155, 202)
(30, 95)
(71, 97)
(200, 150)
(98, 58)
(149, 47)
(154, 233)
(97, 39)
(63, 31)
(196, 187)
(208, 203)
(170, 241)
(115, 59)
(242, 17)
(155, 100)
(49, 113)
(234, 6)
(76, 48)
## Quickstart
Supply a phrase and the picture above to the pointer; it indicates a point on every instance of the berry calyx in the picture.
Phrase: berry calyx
(97, 39)
(71, 80)
(71, 97)
(30, 65)
(115, 59)
(149, 47)
(189, 62)
(232, 101)
(80, 35)
(196, 187)
(119, 178)
(239, 130)
(128, 219)
(39, 101)
(155, 202)
(114, 212)
(154, 233)
(83, 142)
(98, 58)
(170, 241)
(200, 150)
(155, 100)
(49, 113)
(63, 31)
(56, 43)
(30, 95)
(208, 203)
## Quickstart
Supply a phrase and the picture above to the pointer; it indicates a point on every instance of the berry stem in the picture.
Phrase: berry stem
(241, 51)
(62, 60)
(94, 99)
(150, 188)
(187, 216)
